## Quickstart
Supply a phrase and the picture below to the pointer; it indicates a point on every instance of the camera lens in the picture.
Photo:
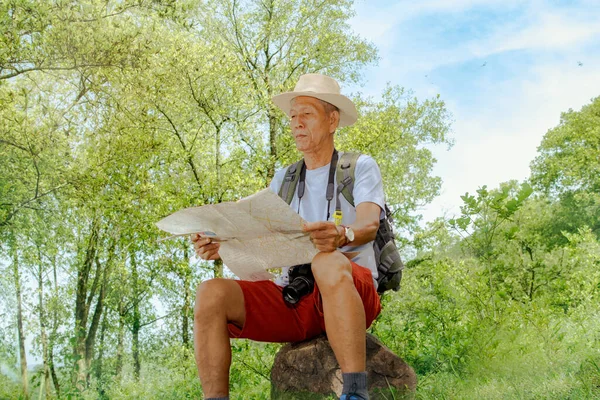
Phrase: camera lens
(291, 295)
(300, 287)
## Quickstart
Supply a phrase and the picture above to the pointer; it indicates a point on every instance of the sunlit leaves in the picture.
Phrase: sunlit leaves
(569, 155)
(398, 131)
(491, 207)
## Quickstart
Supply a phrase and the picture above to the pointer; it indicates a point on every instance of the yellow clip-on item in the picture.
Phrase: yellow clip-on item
(337, 217)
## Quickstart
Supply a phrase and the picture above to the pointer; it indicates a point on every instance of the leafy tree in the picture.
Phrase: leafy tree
(481, 219)
(32, 147)
(568, 168)
(524, 263)
(568, 155)
(273, 43)
(396, 132)
(37, 35)
(18, 288)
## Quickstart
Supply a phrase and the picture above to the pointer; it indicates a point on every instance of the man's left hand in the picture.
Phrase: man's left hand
(326, 236)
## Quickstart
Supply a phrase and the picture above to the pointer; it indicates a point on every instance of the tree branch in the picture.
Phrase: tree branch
(18, 72)
(189, 159)
(14, 145)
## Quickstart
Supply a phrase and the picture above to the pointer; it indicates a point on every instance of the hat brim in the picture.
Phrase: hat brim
(348, 113)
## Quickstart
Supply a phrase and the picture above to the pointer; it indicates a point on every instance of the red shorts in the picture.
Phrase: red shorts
(270, 319)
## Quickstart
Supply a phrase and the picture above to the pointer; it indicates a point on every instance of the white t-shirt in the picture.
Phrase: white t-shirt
(313, 206)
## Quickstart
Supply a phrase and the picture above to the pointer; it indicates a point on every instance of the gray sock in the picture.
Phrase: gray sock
(356, 383)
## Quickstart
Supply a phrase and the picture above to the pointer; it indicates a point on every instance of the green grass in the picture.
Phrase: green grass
(560, 384)
(558, 361)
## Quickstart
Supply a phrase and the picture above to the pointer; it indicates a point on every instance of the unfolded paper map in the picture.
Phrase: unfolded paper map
(256, 233)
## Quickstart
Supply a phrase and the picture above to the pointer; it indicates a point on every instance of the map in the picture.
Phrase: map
(256, 233)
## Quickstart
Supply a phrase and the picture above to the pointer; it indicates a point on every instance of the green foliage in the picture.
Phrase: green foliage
(567, 168)
(568, 155)
(462, 347)
(486, 212)
(169, 374)
(397, 131)
(9, 387)
(251, 369)
(271, 44)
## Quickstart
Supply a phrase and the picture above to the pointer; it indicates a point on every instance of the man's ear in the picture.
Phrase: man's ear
(334, 120)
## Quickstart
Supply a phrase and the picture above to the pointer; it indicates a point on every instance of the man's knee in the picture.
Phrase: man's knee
(332, 270)
(216, 297)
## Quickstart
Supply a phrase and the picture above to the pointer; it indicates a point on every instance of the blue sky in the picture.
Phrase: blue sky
(506, 70)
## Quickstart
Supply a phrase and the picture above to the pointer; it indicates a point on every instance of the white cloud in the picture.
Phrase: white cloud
(376, 21)
(375, 25)
(411, 8)
(540, 26)
(498, 143)
(549, 30)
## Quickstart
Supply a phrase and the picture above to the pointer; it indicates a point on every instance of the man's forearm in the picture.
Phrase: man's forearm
(365, 226)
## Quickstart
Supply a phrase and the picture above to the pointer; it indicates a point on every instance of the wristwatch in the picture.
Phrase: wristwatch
(348, 233)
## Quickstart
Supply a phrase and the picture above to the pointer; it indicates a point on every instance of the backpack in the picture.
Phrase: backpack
(387, 257)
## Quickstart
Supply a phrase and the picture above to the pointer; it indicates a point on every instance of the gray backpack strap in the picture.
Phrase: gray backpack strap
(290, 181)
(345, 174)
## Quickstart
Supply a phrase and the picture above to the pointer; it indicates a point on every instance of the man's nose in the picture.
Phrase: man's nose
(297, 122)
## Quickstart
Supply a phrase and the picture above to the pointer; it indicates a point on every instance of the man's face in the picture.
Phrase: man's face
(311, 126)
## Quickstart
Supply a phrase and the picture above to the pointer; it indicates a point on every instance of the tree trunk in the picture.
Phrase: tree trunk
(90, 341)
(100, 360)
(218, 269)
(272, 143)
(135, 347)
(22, 354)
(218, 155)
(218, 265)
(120, 340)
(136, 325)
(82, 307)
(187, 295)
(53, 335)
(271, 110)
(43, 335)
(85, 338)
(53, 371)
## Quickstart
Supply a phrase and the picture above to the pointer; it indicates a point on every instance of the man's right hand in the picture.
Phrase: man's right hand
(205, 248)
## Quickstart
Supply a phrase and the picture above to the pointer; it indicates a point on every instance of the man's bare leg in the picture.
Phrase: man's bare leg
(343, 310)
(218, 301)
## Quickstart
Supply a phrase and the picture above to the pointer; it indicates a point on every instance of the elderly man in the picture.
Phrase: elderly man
(344, 301)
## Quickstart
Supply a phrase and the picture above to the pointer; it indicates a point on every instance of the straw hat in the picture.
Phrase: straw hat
(321, 87)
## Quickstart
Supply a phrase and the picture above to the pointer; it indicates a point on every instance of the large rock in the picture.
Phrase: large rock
(309, 370)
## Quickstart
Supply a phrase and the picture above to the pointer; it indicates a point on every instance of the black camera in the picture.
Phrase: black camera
(301, 283)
